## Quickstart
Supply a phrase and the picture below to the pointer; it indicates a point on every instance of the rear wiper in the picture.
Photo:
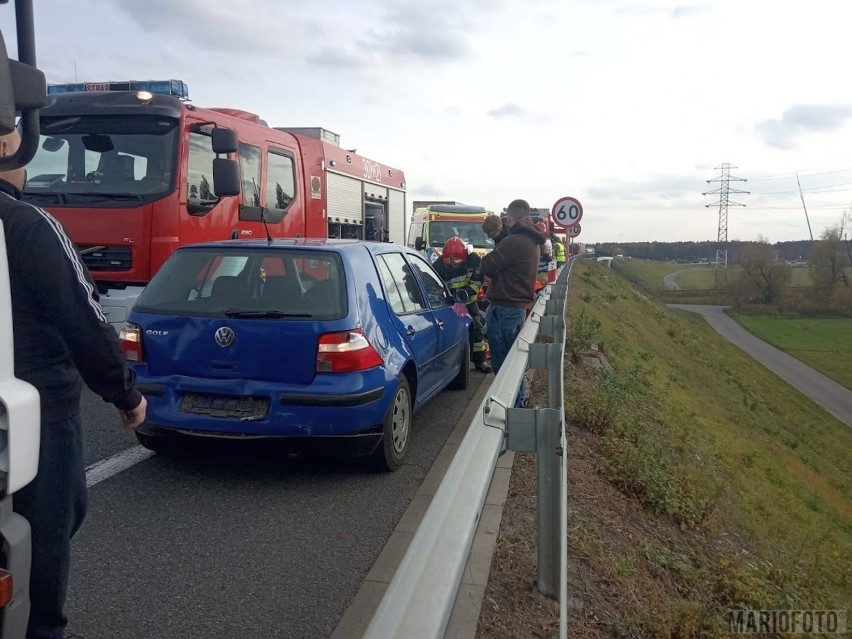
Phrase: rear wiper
(230, 312)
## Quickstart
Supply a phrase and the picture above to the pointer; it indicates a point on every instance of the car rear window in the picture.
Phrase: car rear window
(261, 283)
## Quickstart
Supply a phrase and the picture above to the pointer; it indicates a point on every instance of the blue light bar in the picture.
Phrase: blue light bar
(176, 88)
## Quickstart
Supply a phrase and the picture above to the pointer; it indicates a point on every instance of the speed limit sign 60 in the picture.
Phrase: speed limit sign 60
(566, 212)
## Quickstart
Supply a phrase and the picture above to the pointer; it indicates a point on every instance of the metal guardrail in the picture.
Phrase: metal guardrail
(419, 600)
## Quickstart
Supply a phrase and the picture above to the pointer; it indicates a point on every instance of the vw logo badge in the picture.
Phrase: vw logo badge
(224, 336)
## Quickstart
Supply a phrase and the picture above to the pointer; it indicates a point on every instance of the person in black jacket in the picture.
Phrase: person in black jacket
(460, 271)
(60, 335)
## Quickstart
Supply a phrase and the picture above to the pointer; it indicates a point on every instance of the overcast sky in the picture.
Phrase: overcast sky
(628, 106)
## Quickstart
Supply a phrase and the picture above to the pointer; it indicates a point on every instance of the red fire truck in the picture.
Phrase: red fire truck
(133, 170)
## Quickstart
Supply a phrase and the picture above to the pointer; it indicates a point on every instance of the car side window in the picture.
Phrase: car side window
(436, 291)
(401, 287)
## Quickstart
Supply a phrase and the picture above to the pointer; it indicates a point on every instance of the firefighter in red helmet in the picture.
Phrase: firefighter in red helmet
(460, 270)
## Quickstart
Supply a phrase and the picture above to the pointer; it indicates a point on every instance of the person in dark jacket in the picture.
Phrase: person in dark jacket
(60, 336)
(460, 271)
(512, 267)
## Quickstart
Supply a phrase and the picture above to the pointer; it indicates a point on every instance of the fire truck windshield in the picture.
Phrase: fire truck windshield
(103, 161)
(471, 232)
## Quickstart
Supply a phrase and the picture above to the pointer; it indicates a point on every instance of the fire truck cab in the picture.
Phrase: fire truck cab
(133, 170)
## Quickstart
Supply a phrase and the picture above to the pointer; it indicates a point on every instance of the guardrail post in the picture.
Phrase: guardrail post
(542, 431)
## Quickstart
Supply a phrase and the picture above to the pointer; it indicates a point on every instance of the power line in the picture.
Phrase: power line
(790, 174)
(812, 188)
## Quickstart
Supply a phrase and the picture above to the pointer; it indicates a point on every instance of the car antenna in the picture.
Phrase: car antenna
(262, 211)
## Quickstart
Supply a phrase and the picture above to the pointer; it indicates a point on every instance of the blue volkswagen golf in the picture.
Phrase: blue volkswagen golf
(331, 344)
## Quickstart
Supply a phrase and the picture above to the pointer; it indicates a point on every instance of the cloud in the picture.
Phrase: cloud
(802, 119)
(343, 60)
(688, 11)
(423, 31)
(220, 26)
(511, 110)
(662, 187)
(508, 110)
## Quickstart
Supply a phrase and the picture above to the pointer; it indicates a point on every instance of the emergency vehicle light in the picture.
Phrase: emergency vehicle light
(176, 88)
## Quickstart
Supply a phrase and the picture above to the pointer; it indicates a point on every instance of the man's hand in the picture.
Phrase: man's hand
(131, 419)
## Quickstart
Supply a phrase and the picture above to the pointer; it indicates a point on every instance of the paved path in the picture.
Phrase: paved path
(833, 397)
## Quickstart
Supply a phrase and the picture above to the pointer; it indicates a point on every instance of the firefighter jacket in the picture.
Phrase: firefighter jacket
(465, 276)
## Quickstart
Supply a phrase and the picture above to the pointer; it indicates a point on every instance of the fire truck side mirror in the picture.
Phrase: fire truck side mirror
(7, 93)
(224, 140)
(22, 89)
(226, 177)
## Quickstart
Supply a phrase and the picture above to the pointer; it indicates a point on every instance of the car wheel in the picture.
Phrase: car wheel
(462, 380)
(396, 430)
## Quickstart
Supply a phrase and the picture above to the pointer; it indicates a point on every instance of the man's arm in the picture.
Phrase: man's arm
(66, 293)
(496, 260)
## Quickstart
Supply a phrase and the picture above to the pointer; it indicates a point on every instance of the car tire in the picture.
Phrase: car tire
(161, 444)
(462, 380)
(396, 430)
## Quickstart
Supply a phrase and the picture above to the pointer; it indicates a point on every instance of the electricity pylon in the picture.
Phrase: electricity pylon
(724, 191)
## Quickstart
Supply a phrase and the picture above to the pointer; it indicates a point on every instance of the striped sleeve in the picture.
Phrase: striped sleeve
(66, 293)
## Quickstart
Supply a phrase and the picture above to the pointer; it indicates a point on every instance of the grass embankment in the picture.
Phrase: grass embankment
(823, 344)
(698, 480)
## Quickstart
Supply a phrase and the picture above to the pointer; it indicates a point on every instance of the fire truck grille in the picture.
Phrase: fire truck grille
(106, 258)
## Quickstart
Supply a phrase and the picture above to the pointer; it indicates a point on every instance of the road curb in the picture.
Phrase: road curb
(465, 614)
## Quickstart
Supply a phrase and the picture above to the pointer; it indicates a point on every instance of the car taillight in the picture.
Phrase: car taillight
(6, 588)
(346, 352)
(131, 342)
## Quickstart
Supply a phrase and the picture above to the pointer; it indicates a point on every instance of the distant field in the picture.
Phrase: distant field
(646, 273)
(823, 344)
(699, 276)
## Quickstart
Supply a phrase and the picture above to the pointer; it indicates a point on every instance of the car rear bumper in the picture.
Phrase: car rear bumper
(334, 407)
(358, 444)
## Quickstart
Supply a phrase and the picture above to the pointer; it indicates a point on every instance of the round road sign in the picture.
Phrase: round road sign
(566, 212)
(573, 230)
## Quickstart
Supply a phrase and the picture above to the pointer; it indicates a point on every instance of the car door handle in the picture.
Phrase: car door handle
(410, 331)
(440, 323)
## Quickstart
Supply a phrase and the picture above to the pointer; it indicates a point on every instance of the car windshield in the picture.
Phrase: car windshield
(471, 232)
(248, 283)
(103, 160)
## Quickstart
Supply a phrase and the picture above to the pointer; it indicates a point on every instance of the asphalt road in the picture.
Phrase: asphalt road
(236, 542)
(836, 399)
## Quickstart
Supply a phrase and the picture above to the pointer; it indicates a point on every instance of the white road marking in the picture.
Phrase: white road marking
(106, 468)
